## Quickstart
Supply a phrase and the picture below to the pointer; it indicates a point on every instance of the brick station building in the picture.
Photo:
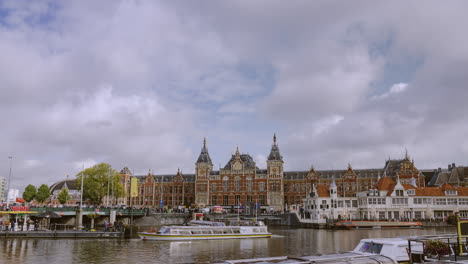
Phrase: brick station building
(240, 181)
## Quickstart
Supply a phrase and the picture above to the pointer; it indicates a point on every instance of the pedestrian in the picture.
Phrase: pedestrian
(36, 225)
(7, 224)
(21, 223)
(28, 223)
(105, 225)
(1, 224)
(12, 225)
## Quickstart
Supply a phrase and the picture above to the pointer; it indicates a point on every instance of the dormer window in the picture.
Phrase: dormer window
(450, 192)
(399, 193)
(411, 192)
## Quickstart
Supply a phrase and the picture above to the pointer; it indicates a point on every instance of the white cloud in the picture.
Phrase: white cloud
(395, 89)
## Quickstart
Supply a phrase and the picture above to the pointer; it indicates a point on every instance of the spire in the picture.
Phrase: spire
(237, 151)
(204, 155)
(406, 154)
(275, 153)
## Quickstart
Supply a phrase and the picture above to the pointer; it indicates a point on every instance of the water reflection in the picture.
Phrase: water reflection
(291, 242)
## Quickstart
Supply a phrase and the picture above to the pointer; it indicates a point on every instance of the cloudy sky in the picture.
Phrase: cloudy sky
(141, 83)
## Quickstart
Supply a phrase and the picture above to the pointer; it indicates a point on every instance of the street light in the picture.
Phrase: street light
(9, 183)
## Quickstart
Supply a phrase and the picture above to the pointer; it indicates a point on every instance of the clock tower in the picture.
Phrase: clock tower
(203, 168)
(275, 177)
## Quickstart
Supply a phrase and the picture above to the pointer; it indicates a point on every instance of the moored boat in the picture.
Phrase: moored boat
(377, 224)
(203, 232)
(368, 251)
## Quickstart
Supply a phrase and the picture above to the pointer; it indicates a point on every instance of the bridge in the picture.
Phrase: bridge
(71, 211)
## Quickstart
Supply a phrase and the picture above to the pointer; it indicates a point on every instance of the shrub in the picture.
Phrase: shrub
(436, 247)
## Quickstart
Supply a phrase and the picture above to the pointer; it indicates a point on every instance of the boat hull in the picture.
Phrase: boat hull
(154, 236)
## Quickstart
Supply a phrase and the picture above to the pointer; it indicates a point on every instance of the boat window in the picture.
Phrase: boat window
(184, 232)
(196, 232)
(164, 230)
(370, 247)
(206, 232)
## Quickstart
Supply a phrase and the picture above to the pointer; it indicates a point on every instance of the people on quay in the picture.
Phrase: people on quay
(106, 225)
(21, 223)
(1, 224)
(12, 225)
(36, 225)
(7, 224)
(28, 223)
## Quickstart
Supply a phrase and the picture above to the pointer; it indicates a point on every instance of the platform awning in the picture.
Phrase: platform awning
(18, 212)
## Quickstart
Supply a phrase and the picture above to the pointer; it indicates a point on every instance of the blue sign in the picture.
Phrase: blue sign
(161, 203)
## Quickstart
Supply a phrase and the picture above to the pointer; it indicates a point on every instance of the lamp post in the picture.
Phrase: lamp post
(9, 182)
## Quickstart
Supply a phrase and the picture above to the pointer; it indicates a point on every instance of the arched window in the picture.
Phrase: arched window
(225, 184)
(249, 184)
(237, 184)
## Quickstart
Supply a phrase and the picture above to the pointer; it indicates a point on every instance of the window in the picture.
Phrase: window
(463, 201)
(399, 193)
(213, 187)
(450, 192)
(400, 201)
(237, 184)
(451, 201)
(249, 198)
(249, 184)
(261, 187)
(214, 201)
(225, 184)
(225, 200)
(440, 201)
(262, 199)
(411, 192)
(237, 199)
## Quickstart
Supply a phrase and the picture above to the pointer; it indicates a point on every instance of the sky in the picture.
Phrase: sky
(141, 83)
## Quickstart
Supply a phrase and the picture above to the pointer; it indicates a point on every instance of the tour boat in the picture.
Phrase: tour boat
(377, 224)
(203, 232)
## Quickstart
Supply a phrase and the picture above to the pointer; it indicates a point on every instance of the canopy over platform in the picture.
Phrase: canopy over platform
(18, 212)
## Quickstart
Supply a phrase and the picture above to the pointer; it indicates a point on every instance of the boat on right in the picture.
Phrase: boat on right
(376, 224)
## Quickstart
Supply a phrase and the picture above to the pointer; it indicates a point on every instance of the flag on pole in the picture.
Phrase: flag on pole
(134, 187)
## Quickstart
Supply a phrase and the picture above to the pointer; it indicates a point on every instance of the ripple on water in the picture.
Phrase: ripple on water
(285, 241)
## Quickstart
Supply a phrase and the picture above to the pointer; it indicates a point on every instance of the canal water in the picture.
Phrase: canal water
(286, 241)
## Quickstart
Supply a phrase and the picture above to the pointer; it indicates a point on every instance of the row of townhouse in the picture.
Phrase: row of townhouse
(388, 200)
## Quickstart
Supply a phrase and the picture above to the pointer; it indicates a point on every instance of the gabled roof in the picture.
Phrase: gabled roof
(246, 159)
(323, 190)
(385, 184)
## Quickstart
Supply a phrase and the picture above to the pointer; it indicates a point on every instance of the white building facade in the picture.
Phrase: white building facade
(389, 200)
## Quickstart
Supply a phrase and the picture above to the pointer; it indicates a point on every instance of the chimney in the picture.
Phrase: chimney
(453, 165)
(450, 167)
(439, 169)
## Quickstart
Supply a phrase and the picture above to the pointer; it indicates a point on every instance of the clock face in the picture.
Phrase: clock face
(274, 170)
(237, 166)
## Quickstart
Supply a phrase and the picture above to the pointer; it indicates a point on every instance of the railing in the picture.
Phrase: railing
(102, 211)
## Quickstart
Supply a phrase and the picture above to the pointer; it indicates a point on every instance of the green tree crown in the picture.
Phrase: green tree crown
(43, 193)
(63, 196)
(97, 180)
(29, 193)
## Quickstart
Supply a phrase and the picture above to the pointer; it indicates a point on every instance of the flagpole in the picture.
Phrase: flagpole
(238, 210)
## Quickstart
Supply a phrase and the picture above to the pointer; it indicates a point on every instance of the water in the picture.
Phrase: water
(286, 241)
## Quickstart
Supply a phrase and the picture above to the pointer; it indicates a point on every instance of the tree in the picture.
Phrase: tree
(29, 193)
(43, 193)
(63, 196)
(97, 180)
